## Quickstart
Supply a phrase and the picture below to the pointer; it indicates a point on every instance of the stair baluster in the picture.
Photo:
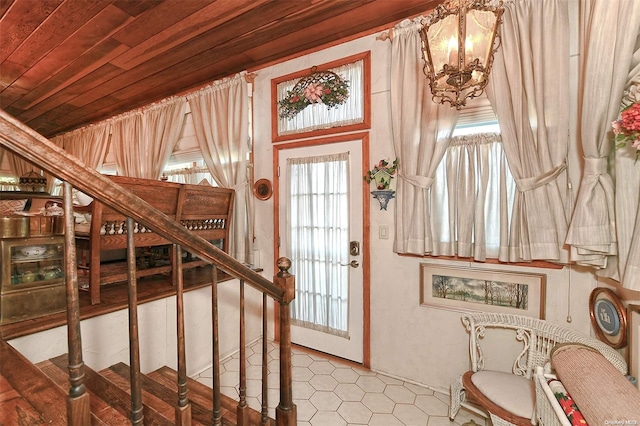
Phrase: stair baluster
(243, 416)
(264, 418)
(183, 409)
(78, 407)
(216, 412)
(137, 415)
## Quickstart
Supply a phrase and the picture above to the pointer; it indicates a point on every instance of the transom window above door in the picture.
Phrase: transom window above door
(328, 98)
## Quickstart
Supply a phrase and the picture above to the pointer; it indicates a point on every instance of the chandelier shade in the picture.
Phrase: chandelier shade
(459, 40)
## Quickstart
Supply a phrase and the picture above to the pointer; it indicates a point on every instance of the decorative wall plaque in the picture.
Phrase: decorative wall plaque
(608, 317)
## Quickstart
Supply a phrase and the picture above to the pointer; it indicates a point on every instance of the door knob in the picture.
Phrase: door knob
(353, 264)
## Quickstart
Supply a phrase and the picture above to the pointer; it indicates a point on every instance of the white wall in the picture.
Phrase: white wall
(423, 344)
(105, 339)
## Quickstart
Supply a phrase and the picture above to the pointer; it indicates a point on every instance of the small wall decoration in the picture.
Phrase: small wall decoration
(462, 289)
(262, 189)
(381, 176)
(321, 87)
(608, 317)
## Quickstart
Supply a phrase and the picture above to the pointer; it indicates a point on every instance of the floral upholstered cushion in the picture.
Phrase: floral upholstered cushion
(567, 403)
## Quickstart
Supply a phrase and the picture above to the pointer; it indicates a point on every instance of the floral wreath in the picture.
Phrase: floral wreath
(324, 87)
(626, 129)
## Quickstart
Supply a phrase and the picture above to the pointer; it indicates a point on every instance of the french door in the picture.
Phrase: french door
(321, 231)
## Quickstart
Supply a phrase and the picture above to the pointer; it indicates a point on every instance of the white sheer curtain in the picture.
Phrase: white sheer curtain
(471, 199)
(606, 58)
(421, 133)
(529, 92)
(143, 140)
(88, 144)
(221, 119)
(318, 116)
(21, 167)
(318, 241)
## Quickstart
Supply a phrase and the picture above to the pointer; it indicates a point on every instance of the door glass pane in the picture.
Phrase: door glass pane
(319, 241)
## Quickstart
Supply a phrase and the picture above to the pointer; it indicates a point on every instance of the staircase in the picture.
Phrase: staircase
(36, 394)
(70, 393)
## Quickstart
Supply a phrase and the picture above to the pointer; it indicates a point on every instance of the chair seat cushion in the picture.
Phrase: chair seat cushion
(513, 393)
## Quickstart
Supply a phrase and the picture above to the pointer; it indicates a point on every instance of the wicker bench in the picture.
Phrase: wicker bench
(203, 209)
(510, 397)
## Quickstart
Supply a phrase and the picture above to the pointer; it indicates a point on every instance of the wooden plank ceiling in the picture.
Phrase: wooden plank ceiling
(67, 63)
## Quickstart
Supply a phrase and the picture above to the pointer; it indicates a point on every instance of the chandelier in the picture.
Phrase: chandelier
(458, 42)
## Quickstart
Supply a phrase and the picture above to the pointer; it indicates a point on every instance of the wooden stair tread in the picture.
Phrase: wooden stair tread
(112, 395)
(205, 399)
(196, 388)
(199, 414)
(15, 408)
(201, 406)
(101, 412)
(37, 392)
(47, 384)
(199, 390)
(165, 409)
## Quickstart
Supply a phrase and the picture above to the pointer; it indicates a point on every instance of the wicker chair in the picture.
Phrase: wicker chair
(509, 398)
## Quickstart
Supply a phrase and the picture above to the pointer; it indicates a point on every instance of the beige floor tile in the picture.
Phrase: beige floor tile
(333, 393)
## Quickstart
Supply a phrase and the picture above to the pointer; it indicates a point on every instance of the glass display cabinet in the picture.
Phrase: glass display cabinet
(32, 278)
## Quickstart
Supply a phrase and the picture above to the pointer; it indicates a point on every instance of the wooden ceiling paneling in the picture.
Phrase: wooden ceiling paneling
(67, 63)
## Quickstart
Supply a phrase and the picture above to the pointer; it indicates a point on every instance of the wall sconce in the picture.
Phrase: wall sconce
(459, 40)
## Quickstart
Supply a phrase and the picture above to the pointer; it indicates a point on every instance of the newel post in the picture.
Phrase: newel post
(286, 412)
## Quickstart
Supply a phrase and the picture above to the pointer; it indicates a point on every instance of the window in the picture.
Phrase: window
(317, 119)
(188, 172)
(473, 190)
(8, 183)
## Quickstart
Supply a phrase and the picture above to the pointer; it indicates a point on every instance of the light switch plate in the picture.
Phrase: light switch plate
(383, 232)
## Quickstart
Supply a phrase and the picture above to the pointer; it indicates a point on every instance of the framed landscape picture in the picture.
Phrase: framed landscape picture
(469, 289)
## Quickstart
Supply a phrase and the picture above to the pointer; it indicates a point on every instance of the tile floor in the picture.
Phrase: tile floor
(333, 393)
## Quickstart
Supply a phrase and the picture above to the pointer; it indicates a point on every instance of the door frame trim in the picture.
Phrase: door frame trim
(366, 228)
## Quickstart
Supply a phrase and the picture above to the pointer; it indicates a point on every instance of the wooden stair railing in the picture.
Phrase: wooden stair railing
(25, 142)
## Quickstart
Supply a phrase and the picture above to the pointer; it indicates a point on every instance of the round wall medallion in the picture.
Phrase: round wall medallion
(608, 317)
(262, 189)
